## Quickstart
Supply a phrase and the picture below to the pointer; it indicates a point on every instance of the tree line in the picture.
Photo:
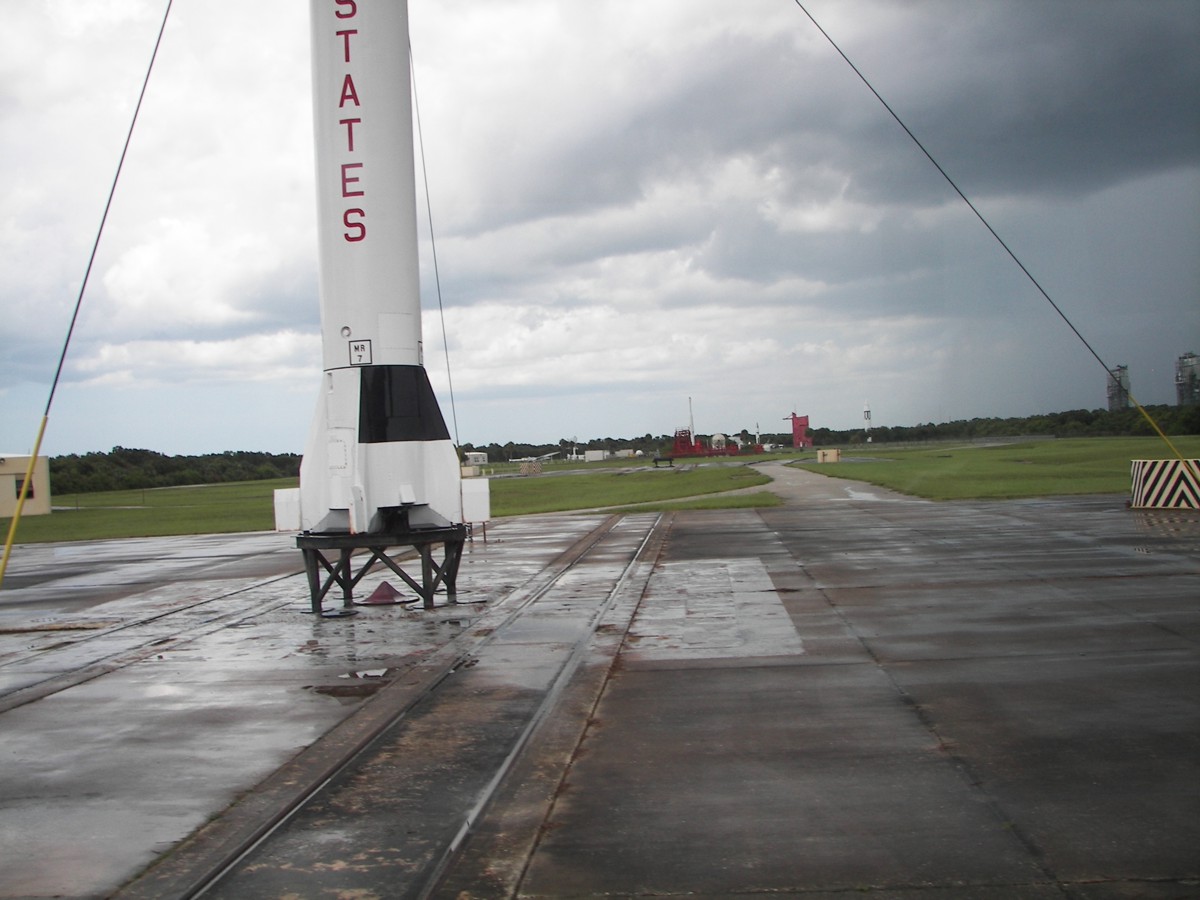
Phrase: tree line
(1072, 423)
(128, 469)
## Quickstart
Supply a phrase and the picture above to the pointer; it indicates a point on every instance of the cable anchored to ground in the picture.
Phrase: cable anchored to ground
(1062, 315)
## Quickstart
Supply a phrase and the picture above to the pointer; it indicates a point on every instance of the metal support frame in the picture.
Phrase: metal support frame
(342, 572)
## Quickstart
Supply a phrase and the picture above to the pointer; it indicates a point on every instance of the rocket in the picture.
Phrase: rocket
(378, 457)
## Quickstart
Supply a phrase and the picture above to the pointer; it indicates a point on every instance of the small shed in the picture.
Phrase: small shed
(13, 467)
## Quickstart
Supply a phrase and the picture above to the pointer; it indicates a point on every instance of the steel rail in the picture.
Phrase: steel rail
(216, 850)
(129, 655)
(549, 702)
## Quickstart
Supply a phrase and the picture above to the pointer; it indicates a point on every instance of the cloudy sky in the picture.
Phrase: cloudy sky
(635, 202)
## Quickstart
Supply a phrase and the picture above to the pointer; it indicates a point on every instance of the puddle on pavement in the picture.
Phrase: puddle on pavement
(355, 686)
(1170, 524)
(865, 495)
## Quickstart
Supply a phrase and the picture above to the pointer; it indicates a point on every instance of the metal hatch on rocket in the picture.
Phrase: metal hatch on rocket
(379, 455)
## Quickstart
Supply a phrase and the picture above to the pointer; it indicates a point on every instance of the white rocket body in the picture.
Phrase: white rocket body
(378, 444)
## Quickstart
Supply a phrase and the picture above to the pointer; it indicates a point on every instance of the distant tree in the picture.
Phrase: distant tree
(129, 469)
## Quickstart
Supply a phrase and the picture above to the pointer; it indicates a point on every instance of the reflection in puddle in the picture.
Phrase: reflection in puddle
(358, 686)
(1175, 530)
(861, 495)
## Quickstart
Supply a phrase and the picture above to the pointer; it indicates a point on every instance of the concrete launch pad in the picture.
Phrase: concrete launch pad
(854, 693)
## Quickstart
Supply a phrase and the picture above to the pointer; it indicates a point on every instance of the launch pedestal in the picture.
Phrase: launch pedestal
(328, 562)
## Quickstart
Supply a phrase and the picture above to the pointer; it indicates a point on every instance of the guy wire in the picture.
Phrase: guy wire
(433, 242)
(987, 225)
(37, 445)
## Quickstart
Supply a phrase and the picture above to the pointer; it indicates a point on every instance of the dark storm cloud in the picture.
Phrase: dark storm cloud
(635, 200)
(1012, 98)
(1032, 96)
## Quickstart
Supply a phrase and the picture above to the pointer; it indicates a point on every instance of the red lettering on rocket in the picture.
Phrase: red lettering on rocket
(359, 228)
(345, 36)
(352, 219)
(348, 92)
(349, 123)
(348, 179)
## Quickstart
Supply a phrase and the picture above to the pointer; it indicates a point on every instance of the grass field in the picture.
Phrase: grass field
(1034, 469)
(520, 496)
(204, 509)
(248, 505)
(943, 472)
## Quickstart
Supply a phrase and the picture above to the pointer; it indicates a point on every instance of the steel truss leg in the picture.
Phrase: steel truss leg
(342, 573)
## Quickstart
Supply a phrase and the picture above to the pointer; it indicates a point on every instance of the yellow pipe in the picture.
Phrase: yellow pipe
(1188, 464)
(12, 528)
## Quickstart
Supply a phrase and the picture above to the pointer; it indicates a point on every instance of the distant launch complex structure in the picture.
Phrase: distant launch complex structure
(1187, 384)
(1187, 380)
(1118, 388)
(800, 438)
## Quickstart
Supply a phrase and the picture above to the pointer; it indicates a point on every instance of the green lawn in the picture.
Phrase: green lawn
(203, 509)
(520, 496)
(1034, 469)
(944, 472)
(248, 505)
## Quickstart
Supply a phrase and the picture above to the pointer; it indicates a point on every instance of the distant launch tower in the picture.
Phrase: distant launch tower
(1187, 380)
(1118, 388)
(800, 438)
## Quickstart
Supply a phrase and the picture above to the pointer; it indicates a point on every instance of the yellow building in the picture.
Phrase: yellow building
(12, 475)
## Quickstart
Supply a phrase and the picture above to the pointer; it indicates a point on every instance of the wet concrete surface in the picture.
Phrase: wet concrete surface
(964, 700)
(383, 827)
(130, 723)
(856, 692)
(46, 580)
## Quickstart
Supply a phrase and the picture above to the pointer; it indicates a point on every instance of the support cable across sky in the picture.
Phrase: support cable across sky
(37, 444)
(987, 225)
(437, 279)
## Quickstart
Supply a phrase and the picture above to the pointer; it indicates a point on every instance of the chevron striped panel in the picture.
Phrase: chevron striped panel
(1166, 484)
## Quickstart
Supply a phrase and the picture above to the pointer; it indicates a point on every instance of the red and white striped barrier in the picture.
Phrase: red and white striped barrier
(1166, 484)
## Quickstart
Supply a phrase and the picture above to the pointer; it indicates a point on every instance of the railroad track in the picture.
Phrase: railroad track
(103, 647)
(382, 805)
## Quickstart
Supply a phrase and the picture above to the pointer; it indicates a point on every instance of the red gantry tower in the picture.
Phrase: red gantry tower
(800, 438)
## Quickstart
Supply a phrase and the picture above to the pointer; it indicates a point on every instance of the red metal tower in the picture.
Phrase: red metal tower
(800, 438)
